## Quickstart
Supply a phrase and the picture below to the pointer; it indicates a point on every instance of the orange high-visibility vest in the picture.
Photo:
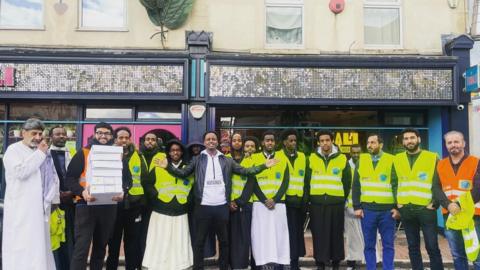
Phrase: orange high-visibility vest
(83, 176)
(455, 185)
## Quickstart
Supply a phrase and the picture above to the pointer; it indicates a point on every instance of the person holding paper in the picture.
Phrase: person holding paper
(26, 236)
(212, 192)
(93, 223)
(168, 238)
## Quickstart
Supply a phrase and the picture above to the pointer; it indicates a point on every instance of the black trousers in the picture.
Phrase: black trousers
(92, 223)
(207, 217)
(63, 254)
(240, 237)
(129, 224)
(295, 219)
(327, 222)
(210, 248)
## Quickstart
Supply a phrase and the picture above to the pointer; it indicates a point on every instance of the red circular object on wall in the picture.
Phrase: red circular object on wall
(337, 6)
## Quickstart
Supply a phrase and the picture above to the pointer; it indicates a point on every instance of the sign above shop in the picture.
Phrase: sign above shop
(7, 77)
(197, 111)
(471, 79)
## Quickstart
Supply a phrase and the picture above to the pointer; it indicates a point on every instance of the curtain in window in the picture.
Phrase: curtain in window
(382, 26)
(284, 25)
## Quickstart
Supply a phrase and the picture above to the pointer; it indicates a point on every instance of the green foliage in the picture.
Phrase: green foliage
(168, 13)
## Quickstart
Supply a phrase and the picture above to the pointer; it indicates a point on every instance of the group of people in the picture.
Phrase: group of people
(257, 200)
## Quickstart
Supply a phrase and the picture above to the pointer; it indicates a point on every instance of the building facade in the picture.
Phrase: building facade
(351, 66)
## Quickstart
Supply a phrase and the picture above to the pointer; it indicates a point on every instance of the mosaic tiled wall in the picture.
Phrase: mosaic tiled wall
(83, 78)
(331, 83)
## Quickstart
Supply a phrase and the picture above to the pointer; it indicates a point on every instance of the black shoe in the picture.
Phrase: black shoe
(351, 265)
(335, 265)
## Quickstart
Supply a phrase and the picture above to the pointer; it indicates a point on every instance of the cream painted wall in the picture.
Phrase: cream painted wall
(239, 26)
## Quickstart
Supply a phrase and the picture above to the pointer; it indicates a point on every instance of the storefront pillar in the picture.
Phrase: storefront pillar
(199, 45)
(460, 47)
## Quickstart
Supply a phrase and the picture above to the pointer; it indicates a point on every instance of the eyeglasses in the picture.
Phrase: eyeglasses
(106, 134)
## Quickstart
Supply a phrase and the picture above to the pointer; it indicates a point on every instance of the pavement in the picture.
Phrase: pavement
(401, 254)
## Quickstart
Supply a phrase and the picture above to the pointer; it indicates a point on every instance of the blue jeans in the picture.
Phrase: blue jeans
(385, 224)
(415, 218)
(457, 247)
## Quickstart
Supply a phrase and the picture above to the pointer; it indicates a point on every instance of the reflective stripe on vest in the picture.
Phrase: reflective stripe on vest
(239, 181)
(270, 179)
(470, 241)
(327, 179)
(168, 186)
(415, 183)
(134, 165)
(296, 171)
(455, 185)
(375, 182)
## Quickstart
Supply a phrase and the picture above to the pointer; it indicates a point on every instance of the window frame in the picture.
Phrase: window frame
(375, 4)
(284, 3)
(30, 28)
(107, 119)
(102, 29)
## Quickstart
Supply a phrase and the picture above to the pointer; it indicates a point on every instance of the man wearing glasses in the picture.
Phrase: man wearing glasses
(94, 223)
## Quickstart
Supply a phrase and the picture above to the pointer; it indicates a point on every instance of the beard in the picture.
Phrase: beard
(412, 148)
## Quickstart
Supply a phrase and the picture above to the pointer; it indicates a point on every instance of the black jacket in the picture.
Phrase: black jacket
(198, 165)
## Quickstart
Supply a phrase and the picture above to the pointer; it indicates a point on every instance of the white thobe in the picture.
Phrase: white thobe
(26, 233)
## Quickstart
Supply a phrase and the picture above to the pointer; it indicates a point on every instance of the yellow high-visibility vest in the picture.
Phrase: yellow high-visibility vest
(375, 182)
(415, 183)
(57, 228)
(169, 186)
(150, 166)
(327, 179)
(239, 181)
(135, 167)
(296, 171)
(270, 180)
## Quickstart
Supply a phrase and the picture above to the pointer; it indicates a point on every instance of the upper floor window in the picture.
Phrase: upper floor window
(21, 14)
(382, 23)
(103, 15)
(284, 23)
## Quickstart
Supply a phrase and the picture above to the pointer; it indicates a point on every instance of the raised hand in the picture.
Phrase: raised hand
(161, 163)
(271, 162)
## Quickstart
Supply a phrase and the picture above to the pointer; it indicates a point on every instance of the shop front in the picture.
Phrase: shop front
(352, 95)
(147, 93)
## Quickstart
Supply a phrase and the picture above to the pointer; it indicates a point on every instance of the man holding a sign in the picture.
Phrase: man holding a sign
(95, 214)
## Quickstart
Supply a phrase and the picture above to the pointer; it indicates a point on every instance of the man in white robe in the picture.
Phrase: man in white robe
(26, 231)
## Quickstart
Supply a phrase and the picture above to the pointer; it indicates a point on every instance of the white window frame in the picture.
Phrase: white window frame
(102, 29)
(378, 4)
(284, 3)
(39, 28)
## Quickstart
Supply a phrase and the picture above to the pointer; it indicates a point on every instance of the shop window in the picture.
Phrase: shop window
(15, 133)
(103, 15)
(43, 111)
(2, 111)
(284, 23)
(404, 119)
(159, 112)
(308, 118)
(21, 14)
(382, 23)
(94, 113)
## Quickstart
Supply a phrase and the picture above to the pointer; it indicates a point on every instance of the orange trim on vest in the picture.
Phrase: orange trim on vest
(455, 184)
(83, 177)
